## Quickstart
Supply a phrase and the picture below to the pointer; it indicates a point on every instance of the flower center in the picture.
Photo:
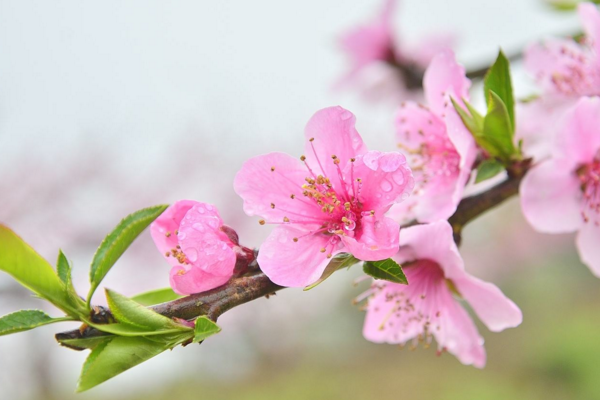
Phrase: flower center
(589, 177)
(436, 159)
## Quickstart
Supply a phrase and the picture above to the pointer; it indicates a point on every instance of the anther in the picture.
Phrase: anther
(272, 169)
(167, 254)
(293, 196)
(322, 250)
(272, 205)
(302, 158)
(168, 234)
(312, 139)
(286, 219)
(295, 239)
(352, 159)
(262, 222)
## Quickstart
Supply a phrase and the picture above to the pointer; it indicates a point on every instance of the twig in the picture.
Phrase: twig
(256, 284)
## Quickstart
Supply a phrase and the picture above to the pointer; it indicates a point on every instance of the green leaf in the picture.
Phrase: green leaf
(498, 133)
(63, 268)
(488, 169)
(204, 328)
(497, 80)
(473, 121)
(25, 320)
(28, 268)
(116, 242)
(388, 270)
(114, 356)
(87, 343)
(157, 296)
(128, 312)
(338, 262)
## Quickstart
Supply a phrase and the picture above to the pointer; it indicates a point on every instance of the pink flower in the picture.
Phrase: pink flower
(442, 150)
(427, 307)
(566, 70)
(563, 194)
(201, 250)
(330, 201)
(373, 44)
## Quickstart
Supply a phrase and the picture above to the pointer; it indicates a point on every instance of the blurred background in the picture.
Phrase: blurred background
(106, 108)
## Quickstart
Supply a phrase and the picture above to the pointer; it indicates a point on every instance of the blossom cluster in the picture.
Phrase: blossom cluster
(338, 198)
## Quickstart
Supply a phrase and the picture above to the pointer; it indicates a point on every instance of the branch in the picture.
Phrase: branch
(255, 284)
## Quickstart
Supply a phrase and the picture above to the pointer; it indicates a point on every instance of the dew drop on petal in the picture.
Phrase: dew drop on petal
(346, 115)
(385, 185)
(181, 235)
(398, 177)
(198, 226)
(191, 254)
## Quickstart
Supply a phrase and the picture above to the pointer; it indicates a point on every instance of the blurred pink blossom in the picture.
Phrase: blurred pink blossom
(426, 308)
(331, 201)
(190, 236)
(565, 70)
(563, 194)
(372, 45)
(441, 150)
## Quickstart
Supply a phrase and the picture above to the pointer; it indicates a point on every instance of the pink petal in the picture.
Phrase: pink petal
(590, 18)
(588, 246)
(204, 244)
(459, 335)
(334, 133)
(444, 78)
(493, 308)
(415, 123)
(187, 279)
(295, 263)
(385, 178)
(378, 239)
(550, 198)
(431, 242)
(578, 141)
(272, 179)
(164, 227)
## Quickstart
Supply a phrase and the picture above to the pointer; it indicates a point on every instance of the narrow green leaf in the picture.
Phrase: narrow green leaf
(157, 296)
(128, 312)
(25, 320)
(498, 81)
(110, 358)
(204, 328)
(497, 130)
(338, 262)
(87, 343)
(28, 268)
(388, 270)
(116, 242)
(63, 268)
(469, 121)
(488, 169)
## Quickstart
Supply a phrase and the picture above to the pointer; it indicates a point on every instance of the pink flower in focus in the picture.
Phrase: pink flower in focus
(427, 308)
(201, 250)
(566, 70)
(563, 194)
(373, 45)
(330, 201)
(441, 149)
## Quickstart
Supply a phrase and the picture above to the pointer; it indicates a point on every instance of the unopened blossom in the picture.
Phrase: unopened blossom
(562, 194)
(373, 45)
(201, 250)
(441, 151)
(565, 70)
(330, 200)
(429, 306)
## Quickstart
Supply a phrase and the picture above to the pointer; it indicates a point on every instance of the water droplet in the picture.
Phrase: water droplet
(181, 235)
(378, 195)
(346, 115)
(201, 210)
(191, 254)
(198, 226)
(385, 185)
(398, 177)
(209, 207)
(213, 223)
